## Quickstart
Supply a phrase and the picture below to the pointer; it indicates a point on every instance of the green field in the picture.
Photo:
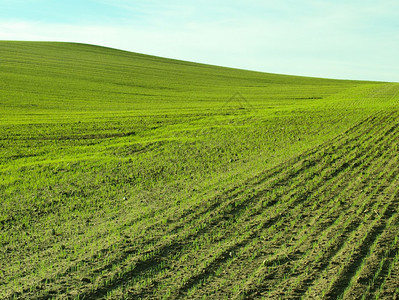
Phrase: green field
(124, 175)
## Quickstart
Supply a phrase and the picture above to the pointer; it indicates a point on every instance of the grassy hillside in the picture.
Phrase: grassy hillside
(127, 175)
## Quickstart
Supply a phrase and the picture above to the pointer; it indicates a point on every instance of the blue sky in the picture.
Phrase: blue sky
(350, 39)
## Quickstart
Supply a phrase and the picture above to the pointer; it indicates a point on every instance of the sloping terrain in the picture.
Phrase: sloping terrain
(129, 176)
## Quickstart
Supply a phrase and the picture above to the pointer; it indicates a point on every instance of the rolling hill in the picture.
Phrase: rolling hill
(125, 175)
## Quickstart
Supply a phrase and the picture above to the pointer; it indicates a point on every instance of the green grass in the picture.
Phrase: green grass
(127, 175)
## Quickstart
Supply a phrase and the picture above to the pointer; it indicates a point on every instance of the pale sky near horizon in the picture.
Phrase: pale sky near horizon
(350, 39)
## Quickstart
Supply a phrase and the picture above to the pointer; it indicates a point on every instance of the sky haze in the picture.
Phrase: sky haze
(335, 39)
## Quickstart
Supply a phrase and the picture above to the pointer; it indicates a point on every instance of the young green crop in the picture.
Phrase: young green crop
(124, 175)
